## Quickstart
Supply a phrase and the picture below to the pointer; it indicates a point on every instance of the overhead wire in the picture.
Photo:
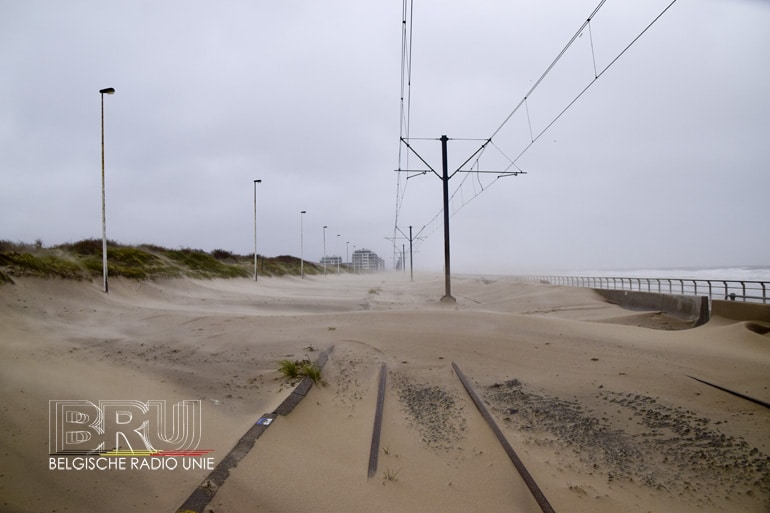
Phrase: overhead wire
(534, 138)
(405, 104)
(549, 68)
(593, 81)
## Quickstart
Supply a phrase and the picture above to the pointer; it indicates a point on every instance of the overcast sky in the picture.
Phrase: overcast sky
(663, 162)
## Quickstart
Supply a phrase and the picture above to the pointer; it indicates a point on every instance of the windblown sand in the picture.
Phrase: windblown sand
(596, 400)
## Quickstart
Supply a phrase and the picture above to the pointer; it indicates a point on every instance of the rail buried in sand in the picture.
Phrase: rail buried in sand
(202, 495)
(545, 506)
(377, 429)
(732, 392)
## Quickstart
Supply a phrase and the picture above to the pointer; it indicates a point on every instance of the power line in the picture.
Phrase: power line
(549, 68)
(406, 100)
(592, 82)
(512, 162)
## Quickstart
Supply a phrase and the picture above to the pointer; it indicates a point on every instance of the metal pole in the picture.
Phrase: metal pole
(104, 214)
(337, 250)
(411, 262)
(255, 228)
(102, 92)
(445, 182)
(325, 250)
(301, 247)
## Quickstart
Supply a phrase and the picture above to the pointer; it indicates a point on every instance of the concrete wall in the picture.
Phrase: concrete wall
(740, 311)
(689, 308)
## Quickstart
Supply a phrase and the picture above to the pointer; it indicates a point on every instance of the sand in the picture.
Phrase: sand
(597, 401)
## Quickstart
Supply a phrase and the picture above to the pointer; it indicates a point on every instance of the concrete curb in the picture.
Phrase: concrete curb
(203, 494)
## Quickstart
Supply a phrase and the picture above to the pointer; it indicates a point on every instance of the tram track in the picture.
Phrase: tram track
(526, 476)
(537, 493)
(202, 496)
(732, 392)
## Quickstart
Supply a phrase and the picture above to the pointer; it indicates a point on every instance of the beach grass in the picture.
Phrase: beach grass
(300, 369)
(313, 372)
(82, 260)
(290, 369)
(390, 475)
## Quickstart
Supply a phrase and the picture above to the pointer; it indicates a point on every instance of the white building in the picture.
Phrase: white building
(365, 260)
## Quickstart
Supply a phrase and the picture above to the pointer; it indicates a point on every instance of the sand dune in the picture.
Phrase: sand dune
(598, 401)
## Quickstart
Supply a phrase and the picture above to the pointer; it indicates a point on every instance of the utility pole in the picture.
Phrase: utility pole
(445, 177)
(411, 240)
(411, 262)
(448, 298)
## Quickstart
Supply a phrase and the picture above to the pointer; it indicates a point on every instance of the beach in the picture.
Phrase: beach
(600, 403)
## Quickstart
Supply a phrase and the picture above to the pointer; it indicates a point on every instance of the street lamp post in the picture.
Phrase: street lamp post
(325, 249)
(347, 252)
(255, 228)
(337, 251)
(102, 92)
(301, 245)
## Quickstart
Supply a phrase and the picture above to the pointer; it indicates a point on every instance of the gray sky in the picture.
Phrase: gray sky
(663, 162)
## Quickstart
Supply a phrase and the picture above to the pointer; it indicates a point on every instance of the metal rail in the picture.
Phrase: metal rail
(374, 450)
(200, 498)
(732, 392)
(538, 495)
(733, 290)
(545, 506)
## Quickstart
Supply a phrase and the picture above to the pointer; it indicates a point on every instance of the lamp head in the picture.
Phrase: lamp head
(109, 90)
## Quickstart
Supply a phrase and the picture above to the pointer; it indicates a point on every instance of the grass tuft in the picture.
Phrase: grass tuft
(299, 369)
(313, 372)
(391, 475)
(289, 369)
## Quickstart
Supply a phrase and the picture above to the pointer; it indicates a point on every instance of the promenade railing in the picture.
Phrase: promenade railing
(734, 290)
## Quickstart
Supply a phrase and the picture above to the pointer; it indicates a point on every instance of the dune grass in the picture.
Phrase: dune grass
(299, 369)
(82, 260)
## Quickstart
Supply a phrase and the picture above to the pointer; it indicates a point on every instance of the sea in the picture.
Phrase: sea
(746, 283)
(744, 273)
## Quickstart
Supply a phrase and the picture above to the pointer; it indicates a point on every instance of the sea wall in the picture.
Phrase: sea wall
(740, 311)
(689, 308)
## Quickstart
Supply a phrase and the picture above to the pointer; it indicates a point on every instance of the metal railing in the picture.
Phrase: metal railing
(734, 290)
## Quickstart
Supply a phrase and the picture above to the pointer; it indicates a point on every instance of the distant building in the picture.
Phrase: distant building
(331, 260)
(365, 260)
